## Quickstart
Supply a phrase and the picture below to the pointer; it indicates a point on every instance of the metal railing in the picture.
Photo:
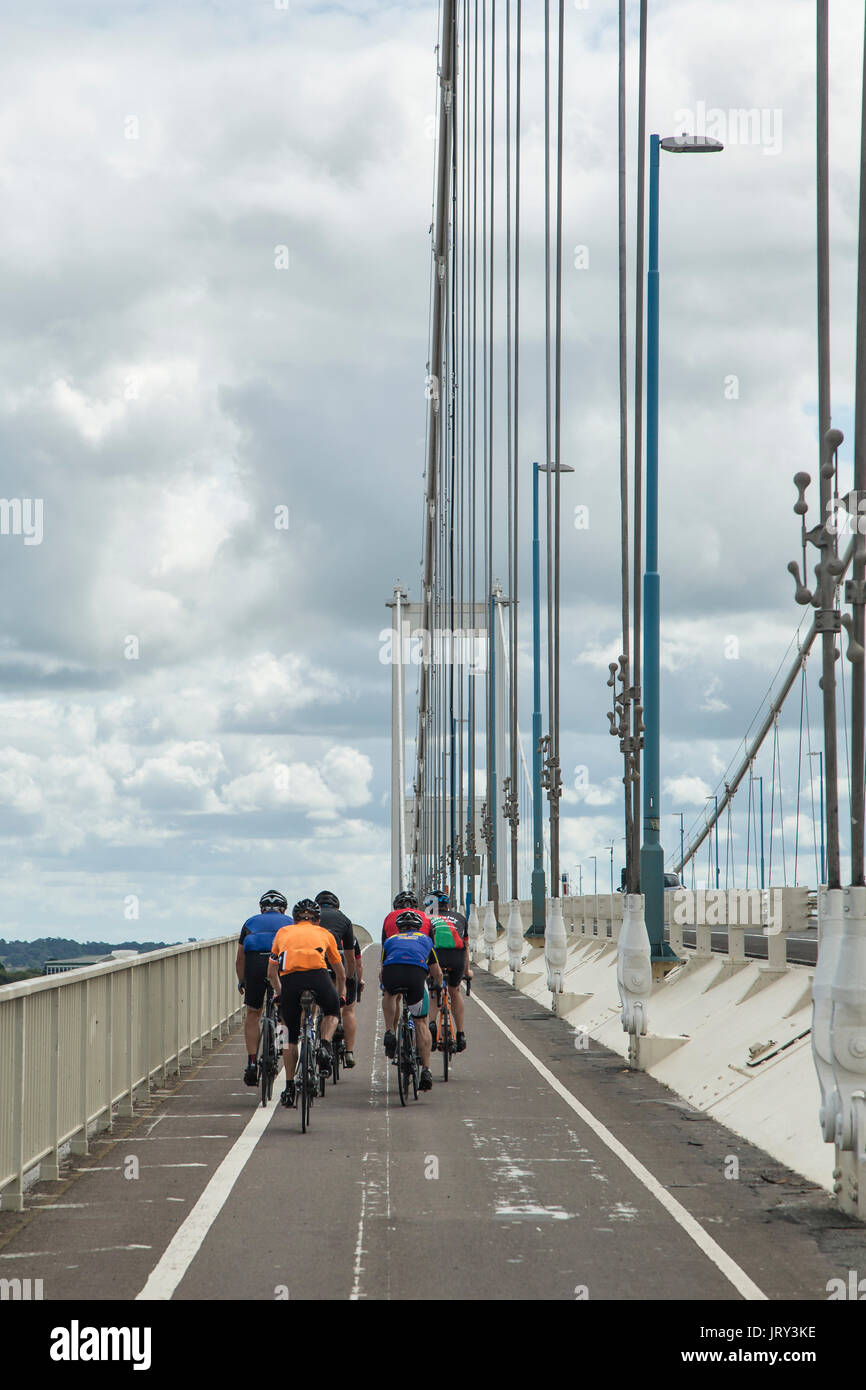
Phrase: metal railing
(75, 1047)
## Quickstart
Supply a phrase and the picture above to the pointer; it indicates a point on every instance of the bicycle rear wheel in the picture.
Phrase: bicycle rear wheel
(414, 1065)
(303, 1090)
(402, 1061)
(445, 1043)
(265, 1060)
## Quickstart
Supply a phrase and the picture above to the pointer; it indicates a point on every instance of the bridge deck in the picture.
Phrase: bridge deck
(530, 1199)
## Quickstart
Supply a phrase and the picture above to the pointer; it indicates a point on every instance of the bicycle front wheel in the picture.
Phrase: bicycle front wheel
(265, 1060)
(446, 1046)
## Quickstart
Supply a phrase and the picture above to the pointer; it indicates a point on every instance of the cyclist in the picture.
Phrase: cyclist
(407, 958)
(403, 901)
(338, 924)
(450, 933)
(251, 964)
(299, 960)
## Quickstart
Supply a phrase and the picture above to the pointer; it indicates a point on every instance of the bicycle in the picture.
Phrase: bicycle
(406, 1056)
(307, 1078)
(267, 1056)
(446, 1033)
(338, 1052)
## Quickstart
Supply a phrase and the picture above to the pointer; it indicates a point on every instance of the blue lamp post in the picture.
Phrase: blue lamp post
(652, 876)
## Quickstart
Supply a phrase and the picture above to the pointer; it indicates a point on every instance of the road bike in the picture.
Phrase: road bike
(338, 1052)
(267, 1057)
(308, 1081)
(406, 1055)
(446, 1033)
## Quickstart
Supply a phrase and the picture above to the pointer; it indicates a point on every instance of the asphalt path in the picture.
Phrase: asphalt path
(542, 1170)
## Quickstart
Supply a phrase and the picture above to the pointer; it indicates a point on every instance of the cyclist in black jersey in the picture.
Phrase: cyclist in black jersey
(340, 927)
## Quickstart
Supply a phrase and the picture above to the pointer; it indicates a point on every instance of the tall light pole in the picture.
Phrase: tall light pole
(652, 875)
(611, 866)
(537, 890)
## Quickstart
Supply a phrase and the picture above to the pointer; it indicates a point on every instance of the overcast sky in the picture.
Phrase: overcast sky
(214, 270)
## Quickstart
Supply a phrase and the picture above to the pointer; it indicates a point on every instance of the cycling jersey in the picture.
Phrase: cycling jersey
(389, 926)
(257, 933)
(338, 924)
(449, 931)
(304, 946)
(408, 948)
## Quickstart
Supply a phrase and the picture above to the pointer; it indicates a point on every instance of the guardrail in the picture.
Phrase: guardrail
(74, 1047)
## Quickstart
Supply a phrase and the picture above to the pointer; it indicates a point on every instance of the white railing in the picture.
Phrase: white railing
(76, 1047)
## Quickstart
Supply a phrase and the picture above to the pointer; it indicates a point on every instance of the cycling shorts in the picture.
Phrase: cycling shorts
(255, 978)
(293, 986)
(351, 990)
(411, 977)
(453, 964)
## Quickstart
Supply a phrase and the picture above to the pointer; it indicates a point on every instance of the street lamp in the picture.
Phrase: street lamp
(537, 890)
(652, 875)
(611, 866)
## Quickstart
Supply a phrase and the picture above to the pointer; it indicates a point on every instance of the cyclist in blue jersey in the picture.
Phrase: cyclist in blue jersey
(407, 959)
(251, 964)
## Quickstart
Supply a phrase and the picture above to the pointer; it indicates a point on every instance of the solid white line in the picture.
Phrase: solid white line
(188, 1239)
(728, 1267)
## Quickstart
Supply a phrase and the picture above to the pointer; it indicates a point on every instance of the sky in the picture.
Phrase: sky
(214, 288)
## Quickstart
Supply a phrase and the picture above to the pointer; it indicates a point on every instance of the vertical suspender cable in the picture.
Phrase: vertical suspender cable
(631, 874)
(554, 744)
(638, 436)
(828, 591)
(515, 574)
(857, 638)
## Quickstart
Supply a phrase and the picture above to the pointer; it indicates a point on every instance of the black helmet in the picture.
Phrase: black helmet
(273, 901)
(306, 910)
(326, 899)
(409, 921)
(405, 899)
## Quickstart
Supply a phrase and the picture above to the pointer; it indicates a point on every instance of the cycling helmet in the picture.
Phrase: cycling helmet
(405, 899)
(273, 901)
(436, 901)
(326, 899)
(409, 921)
(306, 911)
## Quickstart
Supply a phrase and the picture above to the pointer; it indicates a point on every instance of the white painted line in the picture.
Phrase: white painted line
(189, 1238)
(723, 1262)
(358, 1267)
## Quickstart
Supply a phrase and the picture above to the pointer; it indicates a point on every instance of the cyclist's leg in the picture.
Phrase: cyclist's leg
(256, 967)
(290, 1009)
(419, 1011)
(348, 1016)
